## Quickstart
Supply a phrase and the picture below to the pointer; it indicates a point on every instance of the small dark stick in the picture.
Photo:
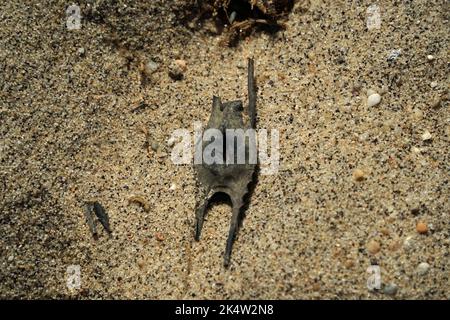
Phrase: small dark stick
(251, 93)
(102, 216)
(90, 220)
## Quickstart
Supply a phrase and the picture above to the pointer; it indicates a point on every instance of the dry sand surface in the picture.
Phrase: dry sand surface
(354, 180)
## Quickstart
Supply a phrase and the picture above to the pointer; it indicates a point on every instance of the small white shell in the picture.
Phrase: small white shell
(373, 100)
(423, 268)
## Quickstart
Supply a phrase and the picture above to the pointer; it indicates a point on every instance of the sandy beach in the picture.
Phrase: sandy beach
(86, 114)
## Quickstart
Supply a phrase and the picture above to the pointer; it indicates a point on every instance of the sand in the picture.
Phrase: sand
(71, 132)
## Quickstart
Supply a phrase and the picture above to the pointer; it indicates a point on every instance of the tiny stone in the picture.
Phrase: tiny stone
(390, 289)
(159, 236)
(422, 268)
(363, 137)
(191, 24)
(232, 17)
(358, 175)
(316, 287)
(373, 100)
(394, 54)
(421, 227)
(170, 142)
(155, 146)
(311, 55)
(141, 263)
(177, 69)
(426, 135)
(241, 65)
(81, 51)
(373, 247)
(151, 66)
(433, 84)
(408, 244)
(430, 57)
(173, 186)
(417, 114)
(349, 263)
(10, 258)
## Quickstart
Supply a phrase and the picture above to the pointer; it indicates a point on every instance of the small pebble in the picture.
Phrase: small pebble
(316, 287)
(390, 289)
(358, 175)
(417, 114)
(159, 236)
(422, 268)
(394, 54)
(373, 247)
(363, 137)
(151, 66)
(141, 263)
(349, 263)
(433, 84)
(81, 51)
(173, 186)
(155, 146)
(421, 227)
(177, 69)
(430, 57)
(10, 258)
(426, 135)
(409, 243)
(373, 100)
(171, 142)
(311, 55)
(232, 17)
